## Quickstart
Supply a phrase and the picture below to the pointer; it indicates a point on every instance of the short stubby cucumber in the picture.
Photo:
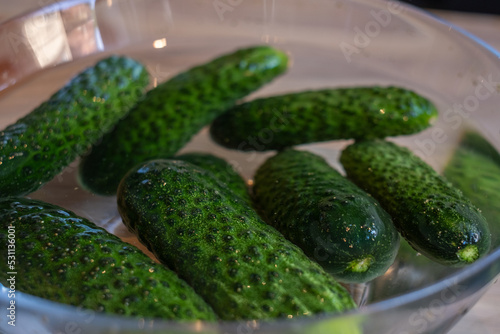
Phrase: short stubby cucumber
(221, 169)
(38, 146)
(432, 215)
(336, 223)
(170, 114)
(475, 169)
(68, 259)
(240, 265)
(276, 122)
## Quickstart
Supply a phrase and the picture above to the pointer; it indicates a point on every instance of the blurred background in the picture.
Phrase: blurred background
(9, 7)
(478, 6)
(480, 17)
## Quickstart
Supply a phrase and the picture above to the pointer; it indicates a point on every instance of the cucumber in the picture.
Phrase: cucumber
(473, 141)
(221, 169)
(64, 258)
(240, 265)
(475, 169)
(170, 114)
(277, 122)
(331, 219)
(38, 146)
(433, 216)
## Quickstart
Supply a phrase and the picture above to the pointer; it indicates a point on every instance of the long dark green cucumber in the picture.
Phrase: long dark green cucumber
(432, 215)
(475, 169)
(174, 111)
(221, 169)
(331, 219)
(68, 259)
(38, 146)
(243, 267)
(315, 116)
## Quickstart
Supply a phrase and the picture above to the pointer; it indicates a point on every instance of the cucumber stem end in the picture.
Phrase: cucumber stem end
(468, 254)
(360, 265)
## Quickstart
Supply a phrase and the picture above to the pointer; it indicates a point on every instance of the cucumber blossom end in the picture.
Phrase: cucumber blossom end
(468, 254)
(360, 265)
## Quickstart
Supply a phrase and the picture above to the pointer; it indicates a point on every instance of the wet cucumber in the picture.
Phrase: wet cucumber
(67, 259)
(243, 267)
(331, 219)
(314, 116)
(166, 119)
(475, 169)
(38, 146)
(432, 215)
(221, 169)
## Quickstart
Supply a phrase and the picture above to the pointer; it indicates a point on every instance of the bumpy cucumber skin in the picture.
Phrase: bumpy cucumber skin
(38, 146)
(68, 259)
(274, 123)
(174, 111)
(475, 169)
(243, 267)
(221, 169)
(433, 216)
(331, 219)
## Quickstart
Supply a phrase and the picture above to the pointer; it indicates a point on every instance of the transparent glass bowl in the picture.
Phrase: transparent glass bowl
(330, 43)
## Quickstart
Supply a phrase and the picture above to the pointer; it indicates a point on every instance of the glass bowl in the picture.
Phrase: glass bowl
(330, 43)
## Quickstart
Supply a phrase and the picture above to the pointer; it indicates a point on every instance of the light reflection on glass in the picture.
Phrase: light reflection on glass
(160, 43)
(50, 36)
(46, 37)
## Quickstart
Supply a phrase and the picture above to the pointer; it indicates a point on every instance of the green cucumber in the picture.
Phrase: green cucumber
(474, 141)
(433, 216)
(170, 114)
(475, 169)
(314, 116)
(38, 146)
(221, 169)
(336, 223)
(64, 258)
(240, 265)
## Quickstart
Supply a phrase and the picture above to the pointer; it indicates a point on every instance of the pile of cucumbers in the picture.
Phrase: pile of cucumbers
(280, 249)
